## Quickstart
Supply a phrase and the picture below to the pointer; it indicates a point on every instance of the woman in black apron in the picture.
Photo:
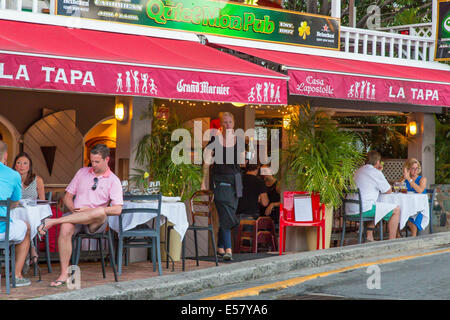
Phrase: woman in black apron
(225, 180)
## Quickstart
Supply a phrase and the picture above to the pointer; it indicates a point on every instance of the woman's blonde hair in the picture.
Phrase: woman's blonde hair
(410, 162)
(225, 114)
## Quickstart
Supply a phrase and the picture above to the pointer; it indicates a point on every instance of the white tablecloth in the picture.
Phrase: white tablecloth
(175, 212)
(33, 215)
(410, 204)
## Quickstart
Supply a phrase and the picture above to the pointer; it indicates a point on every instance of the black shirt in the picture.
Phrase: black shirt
(253, 187)
(224, 165)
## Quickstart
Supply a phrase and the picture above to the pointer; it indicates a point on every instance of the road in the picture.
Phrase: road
(411, 275)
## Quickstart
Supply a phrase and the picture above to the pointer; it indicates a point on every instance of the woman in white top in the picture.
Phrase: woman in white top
(32, 187)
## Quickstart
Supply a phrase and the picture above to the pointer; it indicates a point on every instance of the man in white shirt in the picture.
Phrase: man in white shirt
(371, 182)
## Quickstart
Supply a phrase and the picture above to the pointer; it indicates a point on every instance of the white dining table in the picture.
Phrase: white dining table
(175, 212)
(32, 215)
(410, 204)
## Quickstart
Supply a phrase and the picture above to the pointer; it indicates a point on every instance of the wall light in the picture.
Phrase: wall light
(237, 104)
(119, 112)
(412, 128)
(286, 122)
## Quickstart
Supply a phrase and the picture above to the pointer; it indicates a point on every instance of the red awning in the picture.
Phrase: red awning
(338, 78)
(51, 57)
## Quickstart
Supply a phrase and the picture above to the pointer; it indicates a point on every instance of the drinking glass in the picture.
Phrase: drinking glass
(404, 188)
(396, 187)
(157, 187)
(151, 188)
(125, 186)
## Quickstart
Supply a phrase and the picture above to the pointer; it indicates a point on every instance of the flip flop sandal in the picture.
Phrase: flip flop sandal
(59, 283)
(43, 229)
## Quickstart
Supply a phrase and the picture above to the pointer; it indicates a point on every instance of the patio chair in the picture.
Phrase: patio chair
(8, 248)
(265, 233)
(99, 237)
(200, 208)
(48, 197)
(287, 217)
(358, 217)
(142, 236)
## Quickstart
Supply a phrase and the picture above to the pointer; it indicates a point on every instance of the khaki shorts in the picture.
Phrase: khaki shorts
(85, 228)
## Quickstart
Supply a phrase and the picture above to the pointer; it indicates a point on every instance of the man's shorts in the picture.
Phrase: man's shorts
(85, 228)
(17, 231)
(371, 214)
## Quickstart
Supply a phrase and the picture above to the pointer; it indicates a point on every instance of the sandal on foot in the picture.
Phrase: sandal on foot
(58, 283)
(39, 230)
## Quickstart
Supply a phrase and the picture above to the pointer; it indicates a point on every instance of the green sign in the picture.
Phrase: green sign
(443, 31)
(221, 18)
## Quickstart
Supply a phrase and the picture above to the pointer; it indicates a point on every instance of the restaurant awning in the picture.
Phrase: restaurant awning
(327, 77)
(48, 57)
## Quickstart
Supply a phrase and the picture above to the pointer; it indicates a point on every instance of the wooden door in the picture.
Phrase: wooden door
(56, 147)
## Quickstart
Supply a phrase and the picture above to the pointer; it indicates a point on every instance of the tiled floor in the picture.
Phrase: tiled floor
(91, 275)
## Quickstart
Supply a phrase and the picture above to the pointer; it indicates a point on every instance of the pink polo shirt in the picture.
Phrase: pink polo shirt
(108, 191)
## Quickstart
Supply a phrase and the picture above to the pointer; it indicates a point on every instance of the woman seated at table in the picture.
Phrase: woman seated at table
(32, 187)
(414, 183)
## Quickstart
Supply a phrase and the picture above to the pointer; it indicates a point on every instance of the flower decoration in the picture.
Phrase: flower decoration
(304, 30)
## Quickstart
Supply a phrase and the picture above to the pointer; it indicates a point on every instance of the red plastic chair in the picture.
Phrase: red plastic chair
(287, 217)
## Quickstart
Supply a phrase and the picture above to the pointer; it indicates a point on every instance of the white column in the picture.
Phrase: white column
(336, 8)
(434, 21)
(422, 146)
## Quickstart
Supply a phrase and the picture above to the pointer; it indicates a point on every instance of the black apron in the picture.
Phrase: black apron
(227, 190)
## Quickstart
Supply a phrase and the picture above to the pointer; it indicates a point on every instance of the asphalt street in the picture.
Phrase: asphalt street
(420, 275)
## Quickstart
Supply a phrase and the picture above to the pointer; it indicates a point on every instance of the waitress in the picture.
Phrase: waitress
(417, 184)
(224, 155)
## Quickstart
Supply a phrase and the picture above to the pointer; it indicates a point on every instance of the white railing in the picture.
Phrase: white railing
(385, 44)
(35, 6)
(424, 30)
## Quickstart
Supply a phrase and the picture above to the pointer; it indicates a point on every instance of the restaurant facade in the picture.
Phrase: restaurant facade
(86, 73)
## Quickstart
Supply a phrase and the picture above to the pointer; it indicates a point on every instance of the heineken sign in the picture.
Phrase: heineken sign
(443, 31)
(220, 18)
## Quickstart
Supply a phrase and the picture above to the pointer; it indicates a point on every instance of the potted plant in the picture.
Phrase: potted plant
(320, 158)
(154, 155)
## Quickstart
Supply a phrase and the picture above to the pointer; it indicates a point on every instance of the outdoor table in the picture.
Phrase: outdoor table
(410, 204)
(175, 212)
(32, 215)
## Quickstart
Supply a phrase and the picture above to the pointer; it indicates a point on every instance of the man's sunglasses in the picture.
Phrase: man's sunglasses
(95, 184)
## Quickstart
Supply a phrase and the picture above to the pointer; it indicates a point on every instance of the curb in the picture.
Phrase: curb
(167, 286)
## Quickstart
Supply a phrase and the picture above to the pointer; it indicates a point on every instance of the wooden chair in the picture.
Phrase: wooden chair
(200, 208)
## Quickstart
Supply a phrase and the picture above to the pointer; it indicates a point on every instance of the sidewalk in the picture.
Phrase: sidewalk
(149, 286)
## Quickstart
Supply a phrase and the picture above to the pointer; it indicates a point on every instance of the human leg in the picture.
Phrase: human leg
(22, 249)
(66, 232)
(393, 223)
(94, 218)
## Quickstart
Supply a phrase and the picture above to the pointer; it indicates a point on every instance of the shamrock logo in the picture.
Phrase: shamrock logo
(304, 30)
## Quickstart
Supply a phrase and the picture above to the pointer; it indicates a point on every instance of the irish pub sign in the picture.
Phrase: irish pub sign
(222, 18)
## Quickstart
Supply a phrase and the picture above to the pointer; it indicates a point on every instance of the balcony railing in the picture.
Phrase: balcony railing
(385, 42)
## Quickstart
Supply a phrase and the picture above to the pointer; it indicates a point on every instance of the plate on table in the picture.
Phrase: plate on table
(171, 199)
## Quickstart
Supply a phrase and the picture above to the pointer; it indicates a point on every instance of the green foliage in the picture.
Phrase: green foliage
(321, 158)
(388, 139)
(154, 153)
(442, 149)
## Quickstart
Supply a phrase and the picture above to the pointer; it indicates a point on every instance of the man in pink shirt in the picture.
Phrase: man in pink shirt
(98, 194)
